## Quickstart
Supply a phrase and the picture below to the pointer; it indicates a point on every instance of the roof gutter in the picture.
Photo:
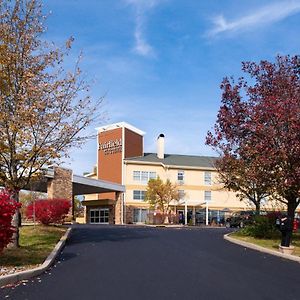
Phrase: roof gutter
(167, 166)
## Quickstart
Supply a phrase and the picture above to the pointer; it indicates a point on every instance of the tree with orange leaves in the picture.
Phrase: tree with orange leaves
(44, 109)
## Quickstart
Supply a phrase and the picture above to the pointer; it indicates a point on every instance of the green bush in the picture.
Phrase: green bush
(262, 227)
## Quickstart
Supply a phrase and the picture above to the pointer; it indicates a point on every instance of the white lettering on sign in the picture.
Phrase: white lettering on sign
(111, 147)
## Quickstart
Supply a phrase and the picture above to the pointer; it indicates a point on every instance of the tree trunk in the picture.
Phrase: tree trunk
(16, 222)
(291, 207)
(166, 219)
(257, 208)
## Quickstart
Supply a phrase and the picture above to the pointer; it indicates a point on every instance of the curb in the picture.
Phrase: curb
(13, 278)
(176, 226)
(163, 226)
(261, 249)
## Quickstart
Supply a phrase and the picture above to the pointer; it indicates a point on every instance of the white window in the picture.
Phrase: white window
(207, 196)
(152, 175)
(207, 178)
(136, 175)
(143, 176)
(181, 194)
(180, 176)
(139, 195)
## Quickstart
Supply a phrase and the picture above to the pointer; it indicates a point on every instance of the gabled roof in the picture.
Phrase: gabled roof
(176, 160)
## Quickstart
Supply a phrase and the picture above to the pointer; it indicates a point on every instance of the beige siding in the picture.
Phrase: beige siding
(193, 185)
(91, 196)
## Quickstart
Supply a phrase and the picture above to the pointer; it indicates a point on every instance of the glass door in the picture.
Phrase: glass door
(104, 216)
(180, 213)
(140, 215)
(94, 216)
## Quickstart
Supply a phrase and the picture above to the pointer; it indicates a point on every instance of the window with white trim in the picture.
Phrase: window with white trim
(143, 176)
(207, 196)
(152, 175)
(207, 178)
(181, 194)
(136, 175)
(180, 176)
(139, 195)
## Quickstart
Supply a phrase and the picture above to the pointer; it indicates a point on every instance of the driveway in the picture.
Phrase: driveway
(106, 262)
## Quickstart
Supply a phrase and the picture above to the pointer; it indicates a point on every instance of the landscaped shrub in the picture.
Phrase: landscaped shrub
(8, 208)
(262, 227)
(48, 211)
(158, 218)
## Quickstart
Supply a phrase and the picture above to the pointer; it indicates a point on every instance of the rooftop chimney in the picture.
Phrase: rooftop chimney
(161, 146)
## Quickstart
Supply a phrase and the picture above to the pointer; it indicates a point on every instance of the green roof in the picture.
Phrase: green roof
(177, 160)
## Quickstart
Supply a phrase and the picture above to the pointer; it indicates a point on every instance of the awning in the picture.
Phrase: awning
(81, 185)
(100, 202)
(84, 185)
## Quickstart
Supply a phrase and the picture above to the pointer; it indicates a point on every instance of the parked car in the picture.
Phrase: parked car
(240, 219)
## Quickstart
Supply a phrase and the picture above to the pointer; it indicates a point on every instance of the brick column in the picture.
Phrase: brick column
(61, 185)
(118, 208)
(129, 214)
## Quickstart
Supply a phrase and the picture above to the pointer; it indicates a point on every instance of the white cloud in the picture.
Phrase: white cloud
(143, 4)
(266, 15)
(142, 47)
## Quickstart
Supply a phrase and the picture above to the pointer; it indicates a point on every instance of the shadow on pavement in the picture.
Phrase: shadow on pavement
(106, 233)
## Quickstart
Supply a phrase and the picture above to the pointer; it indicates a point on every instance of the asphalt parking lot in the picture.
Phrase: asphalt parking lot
(114, 262)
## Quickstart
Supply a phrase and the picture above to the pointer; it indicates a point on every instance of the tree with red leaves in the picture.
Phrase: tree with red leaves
(238, 175)
(258, 127)
(8, 208)
(48, 211)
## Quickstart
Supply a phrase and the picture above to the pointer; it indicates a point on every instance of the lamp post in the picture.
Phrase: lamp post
(32, 198)
(185, 212)
(206, 210)
(34, 213)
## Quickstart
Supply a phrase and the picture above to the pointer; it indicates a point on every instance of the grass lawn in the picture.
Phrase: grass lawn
(36, 243)
(271, 244)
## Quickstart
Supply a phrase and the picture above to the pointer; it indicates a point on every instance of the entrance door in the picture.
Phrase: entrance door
(181, 216)
(140, 215)
(99, 216)
(104, 216)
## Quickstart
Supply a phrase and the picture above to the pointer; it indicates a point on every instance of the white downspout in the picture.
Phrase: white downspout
(206, 213)
(123, 176)
(185, 212)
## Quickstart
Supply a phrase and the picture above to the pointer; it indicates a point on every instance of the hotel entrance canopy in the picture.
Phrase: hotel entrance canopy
(80, 185)
(83, 185)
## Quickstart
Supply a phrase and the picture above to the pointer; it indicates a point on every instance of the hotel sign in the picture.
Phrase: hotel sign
(111, 147)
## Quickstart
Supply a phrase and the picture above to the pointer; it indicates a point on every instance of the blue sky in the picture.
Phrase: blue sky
(159, 63)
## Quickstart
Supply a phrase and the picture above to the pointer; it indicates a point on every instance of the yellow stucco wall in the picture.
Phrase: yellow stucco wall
(91, 196)
(193, 186)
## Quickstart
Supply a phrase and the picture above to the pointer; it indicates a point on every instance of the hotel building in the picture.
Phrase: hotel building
(121, 159)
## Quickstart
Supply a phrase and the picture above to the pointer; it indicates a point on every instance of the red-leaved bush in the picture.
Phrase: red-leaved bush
(8, 208)
(48, 211)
